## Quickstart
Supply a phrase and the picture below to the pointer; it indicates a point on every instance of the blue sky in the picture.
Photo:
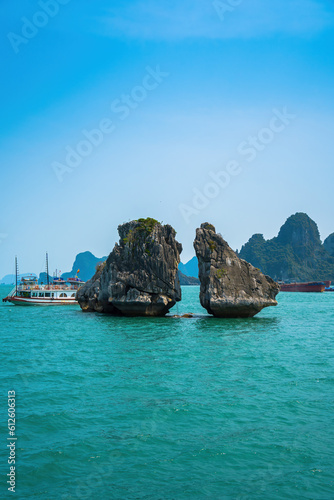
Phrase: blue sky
(224, 68)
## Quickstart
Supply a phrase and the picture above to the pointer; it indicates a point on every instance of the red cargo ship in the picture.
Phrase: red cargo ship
(314, 286)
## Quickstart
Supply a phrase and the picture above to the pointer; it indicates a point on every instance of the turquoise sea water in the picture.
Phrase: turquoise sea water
(170, 408)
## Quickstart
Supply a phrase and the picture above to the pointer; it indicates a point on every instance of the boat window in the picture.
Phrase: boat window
(73, 295)
(47, 294)
(63, 295)
(52, 295)
(34, 294)
(41, 294)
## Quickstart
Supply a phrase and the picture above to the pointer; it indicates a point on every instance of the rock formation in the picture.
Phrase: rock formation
(295, 254)
(230, 287)
(140, 276)
(329, 244)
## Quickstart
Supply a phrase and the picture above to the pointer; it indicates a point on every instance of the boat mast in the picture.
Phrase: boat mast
(47, 269)
(16, 275)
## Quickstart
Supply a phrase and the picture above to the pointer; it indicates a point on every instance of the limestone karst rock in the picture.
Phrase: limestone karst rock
(329, 244)
(140, 276)
(295, 254)
(230, 287)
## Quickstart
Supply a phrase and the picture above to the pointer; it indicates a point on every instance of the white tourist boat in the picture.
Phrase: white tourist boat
(57, 292)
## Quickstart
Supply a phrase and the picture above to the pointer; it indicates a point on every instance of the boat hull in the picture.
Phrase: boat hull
(303, 287)
(18, 301)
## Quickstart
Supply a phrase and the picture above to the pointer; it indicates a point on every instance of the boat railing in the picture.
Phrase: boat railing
(22, 288)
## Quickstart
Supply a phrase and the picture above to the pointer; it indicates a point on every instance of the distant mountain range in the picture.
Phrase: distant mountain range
(296, 253)
(188, 280)
(190, 268)
(85, 263)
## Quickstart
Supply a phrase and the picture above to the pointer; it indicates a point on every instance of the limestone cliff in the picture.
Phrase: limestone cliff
(329, 244)
(230, 287)
(296, 254)
(140, 276)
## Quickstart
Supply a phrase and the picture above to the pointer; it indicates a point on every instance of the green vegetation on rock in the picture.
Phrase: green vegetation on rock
(212, 245)
(208, 226)
(220, 273)
(143, 229)
(146, 225)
